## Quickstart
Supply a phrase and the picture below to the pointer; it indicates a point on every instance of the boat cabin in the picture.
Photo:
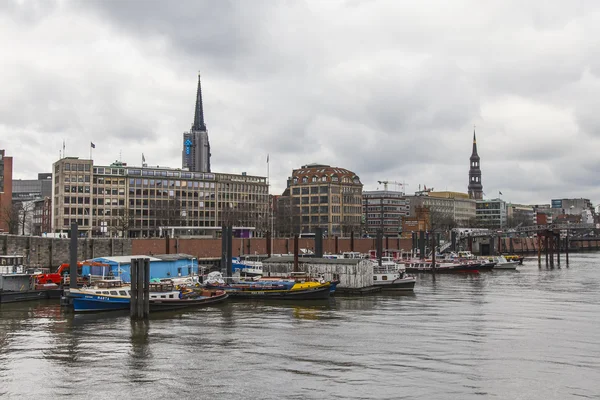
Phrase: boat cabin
(11, 264)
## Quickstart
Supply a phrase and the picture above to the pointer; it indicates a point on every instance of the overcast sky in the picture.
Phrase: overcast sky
(388, 89)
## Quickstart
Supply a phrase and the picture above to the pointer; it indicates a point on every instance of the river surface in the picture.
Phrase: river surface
(531, 334)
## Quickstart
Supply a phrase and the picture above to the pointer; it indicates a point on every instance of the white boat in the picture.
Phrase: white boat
(249, 266)
(390, 278)
(503, 263)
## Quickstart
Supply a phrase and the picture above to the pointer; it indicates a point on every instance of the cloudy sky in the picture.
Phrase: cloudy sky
(388, 89)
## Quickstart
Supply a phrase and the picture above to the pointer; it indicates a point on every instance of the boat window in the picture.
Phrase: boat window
(163, 296)
(105, 292)
(170, 296)
(122, 293)
(384, 278)
(128, 293)
(374, 278)
(114, 292)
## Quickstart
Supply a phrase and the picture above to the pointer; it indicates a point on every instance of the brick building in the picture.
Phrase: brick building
(323, 196)
(7, 217)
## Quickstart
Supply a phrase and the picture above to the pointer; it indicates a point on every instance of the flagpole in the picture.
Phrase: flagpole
(271, 201)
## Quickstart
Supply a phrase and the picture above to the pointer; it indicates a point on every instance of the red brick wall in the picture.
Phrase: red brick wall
(211, 248)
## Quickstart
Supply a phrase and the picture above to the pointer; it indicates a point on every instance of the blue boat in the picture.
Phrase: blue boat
(90, 302)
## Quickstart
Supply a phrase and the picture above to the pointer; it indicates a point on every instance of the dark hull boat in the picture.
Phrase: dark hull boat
(204, 299)
(321, 291)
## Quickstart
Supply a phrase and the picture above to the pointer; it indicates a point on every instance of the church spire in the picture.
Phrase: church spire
(199, 112)
(475, 187)
(474, 153)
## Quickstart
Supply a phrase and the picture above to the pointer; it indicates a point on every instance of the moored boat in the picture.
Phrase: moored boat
(392, 279)
(110, 295)
(503, 263)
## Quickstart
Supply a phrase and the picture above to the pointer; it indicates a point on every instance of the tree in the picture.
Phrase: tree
(441, 221)
(122, 222)
(25, 213)
(10, 215)
(168, 212)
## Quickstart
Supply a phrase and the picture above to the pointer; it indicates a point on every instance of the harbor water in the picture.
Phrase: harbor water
(530, 334)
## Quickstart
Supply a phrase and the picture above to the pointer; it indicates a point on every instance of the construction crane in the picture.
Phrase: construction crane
(385, 185)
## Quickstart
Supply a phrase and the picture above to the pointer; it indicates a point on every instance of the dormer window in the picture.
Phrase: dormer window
(304, 179)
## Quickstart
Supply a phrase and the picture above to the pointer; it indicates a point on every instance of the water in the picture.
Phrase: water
(533, 334)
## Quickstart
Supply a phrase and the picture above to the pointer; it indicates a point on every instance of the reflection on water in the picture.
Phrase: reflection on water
(530, 334)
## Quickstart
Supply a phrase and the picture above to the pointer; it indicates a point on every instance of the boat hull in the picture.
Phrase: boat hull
(304, 294)
(29, 295)
(92, 303)
(178, 304)
(511, 265)
(397, 285)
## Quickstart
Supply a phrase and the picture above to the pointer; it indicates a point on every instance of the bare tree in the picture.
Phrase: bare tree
(168, 212)
(10, 215)
(441, 222)
(122, 222)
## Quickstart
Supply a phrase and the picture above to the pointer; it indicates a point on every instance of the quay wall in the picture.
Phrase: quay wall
(211, 248)
(51, 252)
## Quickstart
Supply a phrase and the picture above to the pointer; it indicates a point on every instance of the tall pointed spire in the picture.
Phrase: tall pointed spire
(199, 112)
(475, 187)
(474, 153)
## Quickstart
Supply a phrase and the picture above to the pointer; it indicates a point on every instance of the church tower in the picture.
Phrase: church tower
(196, 147)
(475, 186)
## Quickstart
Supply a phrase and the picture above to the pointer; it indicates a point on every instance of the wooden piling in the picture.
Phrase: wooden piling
(336, 245)
(139, 303)
(73, 257)
(296, 269)
(352, 241)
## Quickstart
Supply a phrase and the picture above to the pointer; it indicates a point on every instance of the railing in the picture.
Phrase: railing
(532, 228)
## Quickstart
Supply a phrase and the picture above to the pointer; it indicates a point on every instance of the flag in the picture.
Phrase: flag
(500, 192)
(93, 145)
(143, 158)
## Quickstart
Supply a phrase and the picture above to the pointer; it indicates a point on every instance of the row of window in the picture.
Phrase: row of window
(310, 190)
(73, 167)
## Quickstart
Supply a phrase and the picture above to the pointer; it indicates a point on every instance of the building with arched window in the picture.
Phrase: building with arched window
(322, 196)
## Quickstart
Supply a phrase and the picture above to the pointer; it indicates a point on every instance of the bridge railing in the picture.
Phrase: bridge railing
(532, 228)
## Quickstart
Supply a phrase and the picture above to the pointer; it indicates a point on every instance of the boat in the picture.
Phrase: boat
(248, 266)
(392, 279)
(113, 294)
(19, 283)
(503, 263)
(270, 288)
(426, 266)
(514, 257)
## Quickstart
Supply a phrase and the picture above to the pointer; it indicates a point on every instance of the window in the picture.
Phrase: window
(304, 179)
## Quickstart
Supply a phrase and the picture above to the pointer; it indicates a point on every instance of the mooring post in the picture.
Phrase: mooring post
(567, 248)
(422, 245)
(167, 243)
(133, 298)
(557, 244)
(319, 242)
(229, 252)
(352, 241)
(433, 253)
(73, 257)
(336, 244)
(379, 246)
(453, 238)
(296, 269)
(470, 242)
(546, 246)
(539, 249)
(499, 250)
(146, 287)
(224, 250)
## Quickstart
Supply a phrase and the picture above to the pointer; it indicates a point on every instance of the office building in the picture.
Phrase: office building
(119, 200)
(491, 214)
(384, 210)
(447, 209)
